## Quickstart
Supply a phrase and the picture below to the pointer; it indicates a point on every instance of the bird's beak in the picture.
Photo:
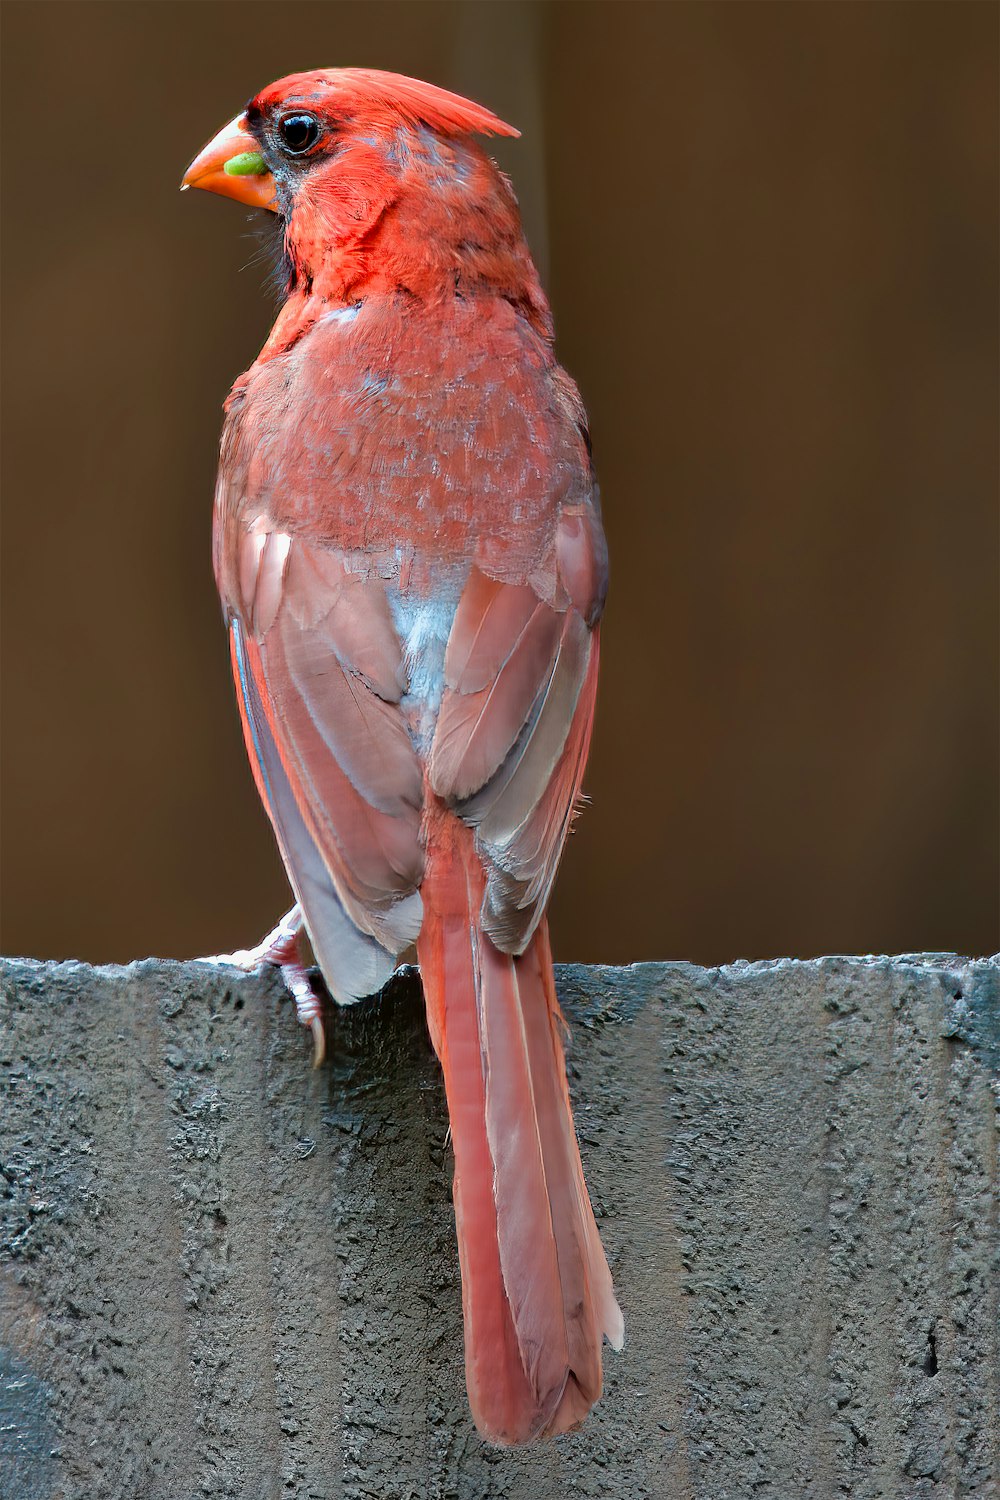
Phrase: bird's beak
(231, 165)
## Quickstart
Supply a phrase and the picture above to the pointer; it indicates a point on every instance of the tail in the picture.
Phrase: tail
(536, 1288)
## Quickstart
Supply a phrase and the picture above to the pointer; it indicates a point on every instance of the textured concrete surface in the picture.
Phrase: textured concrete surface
(224, 1274)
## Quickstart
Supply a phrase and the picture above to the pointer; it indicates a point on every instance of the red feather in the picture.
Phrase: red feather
(409, 549)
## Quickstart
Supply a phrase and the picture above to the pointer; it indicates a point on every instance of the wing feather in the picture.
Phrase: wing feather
(477, 727)
(324, 670)
(354, 963)
(515, 720)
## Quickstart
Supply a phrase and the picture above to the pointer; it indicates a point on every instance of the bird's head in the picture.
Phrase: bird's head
(374, 176)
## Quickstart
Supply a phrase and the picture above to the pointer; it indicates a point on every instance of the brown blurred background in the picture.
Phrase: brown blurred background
(769, 232)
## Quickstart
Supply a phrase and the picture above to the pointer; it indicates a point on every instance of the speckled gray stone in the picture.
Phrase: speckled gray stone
(224, 1274)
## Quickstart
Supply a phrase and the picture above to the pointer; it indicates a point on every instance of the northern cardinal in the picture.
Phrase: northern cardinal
(409, 551)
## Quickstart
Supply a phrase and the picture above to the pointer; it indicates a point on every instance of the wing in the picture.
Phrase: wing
(514, 727)
(319, 675)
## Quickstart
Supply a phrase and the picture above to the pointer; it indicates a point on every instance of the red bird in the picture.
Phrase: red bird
(409, 551)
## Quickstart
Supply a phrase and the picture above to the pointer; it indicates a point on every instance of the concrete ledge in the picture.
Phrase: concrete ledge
(223, 1274)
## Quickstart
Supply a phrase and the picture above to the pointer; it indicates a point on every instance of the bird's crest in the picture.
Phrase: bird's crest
(370, 96)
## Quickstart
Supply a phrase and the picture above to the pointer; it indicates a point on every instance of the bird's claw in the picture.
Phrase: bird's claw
(281, 949)
(308, 1005)
(319, 1041)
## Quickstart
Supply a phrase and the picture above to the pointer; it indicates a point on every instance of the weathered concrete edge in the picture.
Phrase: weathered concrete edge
(592, 993)
(775, 1012)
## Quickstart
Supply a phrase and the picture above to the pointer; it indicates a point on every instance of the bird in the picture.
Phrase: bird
(411, 561)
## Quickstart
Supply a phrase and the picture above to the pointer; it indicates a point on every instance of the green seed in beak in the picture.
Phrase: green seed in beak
(247, 164)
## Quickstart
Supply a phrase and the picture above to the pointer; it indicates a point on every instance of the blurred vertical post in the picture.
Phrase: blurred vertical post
(499, 58)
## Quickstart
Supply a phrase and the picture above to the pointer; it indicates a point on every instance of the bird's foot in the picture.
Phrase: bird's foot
(281, 948)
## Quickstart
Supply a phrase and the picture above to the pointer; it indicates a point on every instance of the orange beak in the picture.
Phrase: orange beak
(232, 166)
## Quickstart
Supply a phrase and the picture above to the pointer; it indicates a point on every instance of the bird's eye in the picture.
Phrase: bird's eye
(298, 133)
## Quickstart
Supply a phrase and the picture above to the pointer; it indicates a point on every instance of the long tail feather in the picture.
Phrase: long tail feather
(536, 1288)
